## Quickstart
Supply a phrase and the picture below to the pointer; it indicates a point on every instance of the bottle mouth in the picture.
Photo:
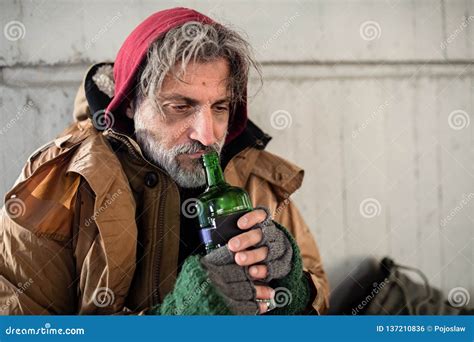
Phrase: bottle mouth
(210, 158)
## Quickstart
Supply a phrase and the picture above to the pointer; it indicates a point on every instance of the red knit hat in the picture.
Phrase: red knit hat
(134, 51)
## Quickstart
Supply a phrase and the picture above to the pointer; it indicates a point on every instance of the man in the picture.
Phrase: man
(99, 220)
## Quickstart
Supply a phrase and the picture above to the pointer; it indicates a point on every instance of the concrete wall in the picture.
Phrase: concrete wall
(373, 98)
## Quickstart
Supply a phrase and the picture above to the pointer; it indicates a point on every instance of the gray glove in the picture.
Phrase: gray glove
(280, 252)
(234, 281)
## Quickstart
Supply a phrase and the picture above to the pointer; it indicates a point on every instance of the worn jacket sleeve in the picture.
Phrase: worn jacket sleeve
(36, 258)
(27, 264)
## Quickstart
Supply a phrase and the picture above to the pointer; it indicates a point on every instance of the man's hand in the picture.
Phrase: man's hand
(239, 245)
(264, 249)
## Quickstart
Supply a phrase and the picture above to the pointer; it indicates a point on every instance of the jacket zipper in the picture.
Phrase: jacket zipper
(158, 251)
(158, 233)
(127, 143)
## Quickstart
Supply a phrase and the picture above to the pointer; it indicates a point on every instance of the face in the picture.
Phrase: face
(194, 121)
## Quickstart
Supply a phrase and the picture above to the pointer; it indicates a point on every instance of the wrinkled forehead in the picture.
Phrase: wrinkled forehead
(204, 81)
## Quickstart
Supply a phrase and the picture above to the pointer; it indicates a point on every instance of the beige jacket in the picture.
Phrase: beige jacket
(74, 240)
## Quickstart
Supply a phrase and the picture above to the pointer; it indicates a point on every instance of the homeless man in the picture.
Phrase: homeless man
(94, 224)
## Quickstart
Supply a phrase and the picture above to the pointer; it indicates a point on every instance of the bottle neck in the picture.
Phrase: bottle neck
(214, 174)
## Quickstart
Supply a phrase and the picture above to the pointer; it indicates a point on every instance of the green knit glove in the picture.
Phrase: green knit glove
(193, 294)
(293, 292)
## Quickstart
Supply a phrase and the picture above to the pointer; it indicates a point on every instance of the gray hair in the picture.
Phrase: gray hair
(200, 43)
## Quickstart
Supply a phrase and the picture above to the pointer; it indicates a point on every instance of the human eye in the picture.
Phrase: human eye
(181, 108)
(221, 109)
(178, 109)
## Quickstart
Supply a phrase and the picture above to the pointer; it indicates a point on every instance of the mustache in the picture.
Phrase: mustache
(195, 147)
(153, 141)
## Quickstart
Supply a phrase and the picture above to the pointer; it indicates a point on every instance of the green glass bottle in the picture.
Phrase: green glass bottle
(219, 206)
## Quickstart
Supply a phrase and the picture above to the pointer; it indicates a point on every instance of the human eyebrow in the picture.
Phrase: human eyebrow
(178, 97)
(222, 101)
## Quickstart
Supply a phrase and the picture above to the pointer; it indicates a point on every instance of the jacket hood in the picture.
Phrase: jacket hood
(130, 59)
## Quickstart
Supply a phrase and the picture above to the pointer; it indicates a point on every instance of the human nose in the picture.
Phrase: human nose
(203, 129)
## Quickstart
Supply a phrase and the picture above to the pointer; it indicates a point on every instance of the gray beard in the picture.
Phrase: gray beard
(154, 151)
